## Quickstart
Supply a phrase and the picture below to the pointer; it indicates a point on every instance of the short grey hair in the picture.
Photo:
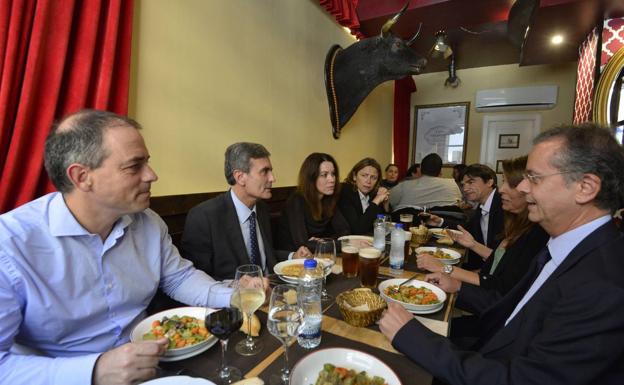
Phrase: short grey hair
(238, 157)
(78, 138)
(590, 149)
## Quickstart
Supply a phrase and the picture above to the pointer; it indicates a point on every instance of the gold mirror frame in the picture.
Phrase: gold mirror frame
(604, 89)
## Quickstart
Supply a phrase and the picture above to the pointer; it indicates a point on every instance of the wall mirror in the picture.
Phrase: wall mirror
(608, 108)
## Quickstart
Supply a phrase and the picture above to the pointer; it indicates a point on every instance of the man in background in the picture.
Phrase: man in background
(234, 228)
(78, 267)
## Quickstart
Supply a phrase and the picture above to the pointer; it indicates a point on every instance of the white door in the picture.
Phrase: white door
(507, 136)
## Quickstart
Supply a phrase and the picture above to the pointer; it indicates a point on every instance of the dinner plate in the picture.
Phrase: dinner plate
(180, 353)
(358, 240)
(277, 269)
(452, 261)
(179, 380)
(441, 233)
(413, 308)
(307, 369)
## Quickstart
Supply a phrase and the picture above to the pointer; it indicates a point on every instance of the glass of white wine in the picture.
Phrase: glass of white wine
(250, 286)
(285, 317)
(325, 253)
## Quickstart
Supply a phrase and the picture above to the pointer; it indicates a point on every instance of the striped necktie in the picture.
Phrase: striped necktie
(253, 237)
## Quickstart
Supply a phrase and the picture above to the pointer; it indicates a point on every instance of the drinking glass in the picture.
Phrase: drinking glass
(285, 317)
(368, 265)
(349, 256)
(325, 253)
(250, 286)
(222, 322)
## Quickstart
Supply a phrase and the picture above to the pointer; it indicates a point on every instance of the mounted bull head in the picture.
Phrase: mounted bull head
(351, 74)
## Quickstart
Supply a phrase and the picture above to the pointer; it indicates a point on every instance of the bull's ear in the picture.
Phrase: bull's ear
(385, 29)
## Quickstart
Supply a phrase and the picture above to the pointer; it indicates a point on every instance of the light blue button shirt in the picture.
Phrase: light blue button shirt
(559, 248)
(71, 296)
(243, 212)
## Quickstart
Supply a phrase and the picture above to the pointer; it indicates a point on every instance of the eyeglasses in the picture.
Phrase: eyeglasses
(535, 178)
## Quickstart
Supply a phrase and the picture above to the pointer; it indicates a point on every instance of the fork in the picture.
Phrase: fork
(398, 288)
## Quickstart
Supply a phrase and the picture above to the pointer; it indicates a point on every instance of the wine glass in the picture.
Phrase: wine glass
(222, 322)
(250, 285)
(285, 317)
(325, 253)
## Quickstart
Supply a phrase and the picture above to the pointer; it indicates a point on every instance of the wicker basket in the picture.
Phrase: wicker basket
(357, 297)
(419, 238)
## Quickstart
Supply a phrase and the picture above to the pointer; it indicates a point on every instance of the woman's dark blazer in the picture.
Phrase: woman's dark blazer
(350, 206)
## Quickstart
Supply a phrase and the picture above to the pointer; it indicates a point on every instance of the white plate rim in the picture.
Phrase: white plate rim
(137, 336)
(288, 278)
(164, 380)
(412, 307)
(346, 350)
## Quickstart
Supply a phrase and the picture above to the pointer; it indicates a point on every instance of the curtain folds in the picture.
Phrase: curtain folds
(345, 14)
(56, 57)
(403, 89)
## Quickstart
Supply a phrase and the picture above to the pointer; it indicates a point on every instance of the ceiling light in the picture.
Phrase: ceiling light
(557, 39)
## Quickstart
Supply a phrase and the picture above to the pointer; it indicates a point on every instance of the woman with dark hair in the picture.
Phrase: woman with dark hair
(392, 176)
(312, 212)
(521, 240)
(361, 198)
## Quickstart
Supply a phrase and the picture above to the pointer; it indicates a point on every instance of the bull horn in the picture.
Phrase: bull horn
(413, 39)
(388, 25)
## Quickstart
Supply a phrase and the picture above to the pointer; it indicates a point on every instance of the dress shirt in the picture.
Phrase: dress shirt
(559, 248)
(485, 216)
(243, 212)
(364, 200)
(72, 296)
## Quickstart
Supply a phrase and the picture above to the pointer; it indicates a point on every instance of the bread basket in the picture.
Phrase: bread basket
(351, 299)
(420, 235)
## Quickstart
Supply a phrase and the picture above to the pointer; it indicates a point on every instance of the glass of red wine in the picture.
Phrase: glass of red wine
(222, 322)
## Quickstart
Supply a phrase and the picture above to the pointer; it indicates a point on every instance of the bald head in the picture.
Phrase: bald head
(78, 138)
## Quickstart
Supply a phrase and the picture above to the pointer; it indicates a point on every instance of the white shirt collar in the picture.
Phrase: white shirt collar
(485, 208)
(561, 246)
(242, 211)
(362, 196)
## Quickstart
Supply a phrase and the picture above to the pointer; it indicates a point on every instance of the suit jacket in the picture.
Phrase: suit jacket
(213, 240)
(570, 332)
(350, 206)
(496, 226)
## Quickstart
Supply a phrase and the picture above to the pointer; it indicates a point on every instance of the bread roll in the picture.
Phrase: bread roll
(255, 325)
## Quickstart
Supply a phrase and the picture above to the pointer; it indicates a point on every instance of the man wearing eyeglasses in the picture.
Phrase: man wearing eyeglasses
(562, 323)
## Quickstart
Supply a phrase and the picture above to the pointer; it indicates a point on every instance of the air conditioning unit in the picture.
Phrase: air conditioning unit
(518, 98)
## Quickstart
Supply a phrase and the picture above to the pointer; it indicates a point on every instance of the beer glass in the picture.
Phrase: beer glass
(368, 264)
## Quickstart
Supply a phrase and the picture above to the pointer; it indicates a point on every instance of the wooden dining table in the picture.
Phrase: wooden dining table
(335, 333)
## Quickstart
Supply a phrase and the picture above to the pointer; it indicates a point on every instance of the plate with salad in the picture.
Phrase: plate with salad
(183, 326)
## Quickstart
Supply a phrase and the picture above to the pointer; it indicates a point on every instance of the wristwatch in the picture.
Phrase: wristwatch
(447, 269)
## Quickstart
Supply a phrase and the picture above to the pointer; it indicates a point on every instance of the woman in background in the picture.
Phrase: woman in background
(311, 212)
(522, 240)
(361, 198)
(392, 176)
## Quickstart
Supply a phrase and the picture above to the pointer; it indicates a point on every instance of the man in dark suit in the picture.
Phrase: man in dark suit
(479, 185)
(562, 323)
(234, 228)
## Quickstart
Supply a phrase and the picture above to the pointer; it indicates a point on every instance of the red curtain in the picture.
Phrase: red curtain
(403, 89)
(56, 57)
(344, 13)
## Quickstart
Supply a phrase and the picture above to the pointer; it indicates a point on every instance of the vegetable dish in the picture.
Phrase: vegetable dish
(414, 295)
(181, 331)
(333, 375)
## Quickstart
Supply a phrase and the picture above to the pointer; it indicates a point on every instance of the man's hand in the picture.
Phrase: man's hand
(129, 363)
(393, 320)
(302, 252)
(444, 282)
(429, 262)
(431, 219)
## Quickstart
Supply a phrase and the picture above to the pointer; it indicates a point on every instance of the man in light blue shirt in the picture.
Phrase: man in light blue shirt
(79, 267)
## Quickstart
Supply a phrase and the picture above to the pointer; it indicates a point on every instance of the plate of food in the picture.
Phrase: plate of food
(178, 380)
(441, 233)
(335, 365)
(446, 256)
(289, 271)
(185, 328)
(418, 297)
(358, 241)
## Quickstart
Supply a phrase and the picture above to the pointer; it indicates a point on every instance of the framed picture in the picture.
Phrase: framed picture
(508, 140)
(440, 129)
(499, 166)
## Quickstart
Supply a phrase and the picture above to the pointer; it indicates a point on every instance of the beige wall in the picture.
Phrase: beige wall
(431, 90)
(207, 73)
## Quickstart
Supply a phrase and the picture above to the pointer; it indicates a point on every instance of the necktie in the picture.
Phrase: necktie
(542, 258)
(253, 237)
